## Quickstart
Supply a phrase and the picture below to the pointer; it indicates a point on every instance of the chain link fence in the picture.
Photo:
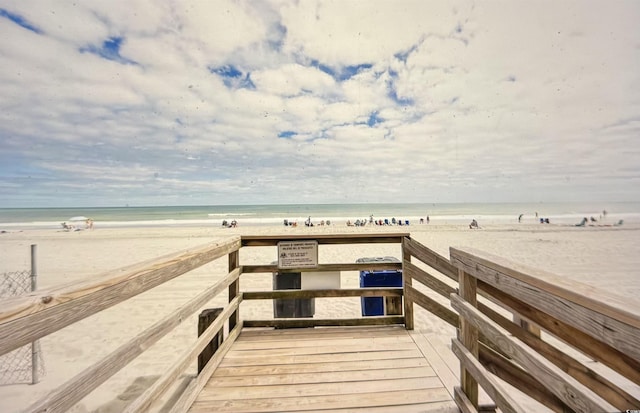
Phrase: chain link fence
(24, 364)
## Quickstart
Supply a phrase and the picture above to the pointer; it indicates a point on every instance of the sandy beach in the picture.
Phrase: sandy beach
(604, 257)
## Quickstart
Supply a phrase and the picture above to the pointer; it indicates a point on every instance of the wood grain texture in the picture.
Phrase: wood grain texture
(195, 387)
(25, 319)
(468, 335)
(428, 280)
(407, 280)
(431, 305)
(431, 258)
(68, 394)
(271, 240)
(327, 322)
(609, 391)
(605, 316)
(377, 375)
(348, 266)
(565, 387)
(495, 390)
(342, 292)
(602, 352)
(146, 399)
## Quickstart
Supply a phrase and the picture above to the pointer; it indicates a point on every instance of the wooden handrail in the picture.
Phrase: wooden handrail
(72, 391)
(590, 320)
(271, 240)
(25, 319)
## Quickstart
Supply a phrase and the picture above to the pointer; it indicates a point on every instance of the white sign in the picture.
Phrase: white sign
(297, 254)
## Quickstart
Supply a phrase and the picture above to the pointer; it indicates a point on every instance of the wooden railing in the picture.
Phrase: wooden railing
(43, 312)
(601, 325)
(345, 239)
(500, 309)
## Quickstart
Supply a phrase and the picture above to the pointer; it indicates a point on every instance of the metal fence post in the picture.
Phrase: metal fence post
(35, 367)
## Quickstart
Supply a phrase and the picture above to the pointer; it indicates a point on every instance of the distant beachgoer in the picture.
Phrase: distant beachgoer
(536, 215)
(474, 224)
(427, 219)
(520, 218)
(422, 220)
(89, 224)
(234, 224)
(604, 213)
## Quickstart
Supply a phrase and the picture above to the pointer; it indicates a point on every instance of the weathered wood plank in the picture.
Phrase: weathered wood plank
(319, 322)
(348, 266)
(506, 370)
(25, 319)
(431, 305)
(602, 315)
(321, 333)
(338, 366)
(495, 390)
(64, 397)
(195, 387)
(408, 304)
(624, 309)
(437, 407)
(220, 379)
(309, 342)
(325, 402)
(342, 292)
(316, 389)
(569, 390)
(320, 358)
(429, 280)
(463, 402)
(432, 259)
(271, 240)
(441, 368)
(620, 362)
(609, 391)
(468, 335)
(146, 399)
(325, 349)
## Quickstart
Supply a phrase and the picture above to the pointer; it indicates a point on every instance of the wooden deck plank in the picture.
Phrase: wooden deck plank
(299, 370)
(311, 342)
(321, 367)
(322, 348)
(318, 389)
(436, 407)
(223, 380)
(320, 333)
(319, 358)
(300, 403)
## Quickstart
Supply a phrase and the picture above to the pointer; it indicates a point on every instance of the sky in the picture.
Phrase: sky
(155, 102)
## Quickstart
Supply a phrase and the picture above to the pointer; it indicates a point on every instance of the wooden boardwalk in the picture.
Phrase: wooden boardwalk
(353, 369)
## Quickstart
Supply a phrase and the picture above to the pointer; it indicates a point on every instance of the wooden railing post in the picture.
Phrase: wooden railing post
(234, 288)
(205, 319)
(468, 334)
(527, 325)
(408, 304)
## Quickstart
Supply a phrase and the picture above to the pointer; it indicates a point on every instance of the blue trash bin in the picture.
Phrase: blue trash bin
(372, 306)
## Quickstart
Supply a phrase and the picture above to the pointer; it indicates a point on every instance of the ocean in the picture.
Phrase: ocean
(247, 215)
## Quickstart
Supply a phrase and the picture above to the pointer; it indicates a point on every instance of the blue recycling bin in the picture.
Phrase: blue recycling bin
(372, 306)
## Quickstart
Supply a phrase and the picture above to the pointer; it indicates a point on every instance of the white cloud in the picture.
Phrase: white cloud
(233, 101)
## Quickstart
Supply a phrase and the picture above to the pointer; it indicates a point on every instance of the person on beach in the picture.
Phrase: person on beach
(474, 224)
(520, 217)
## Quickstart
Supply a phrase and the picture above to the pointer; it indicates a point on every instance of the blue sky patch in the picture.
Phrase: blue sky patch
(232, 77)
(288, 134)
(19, 20)
(110, 50)
(374, 119)
(345, 73)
